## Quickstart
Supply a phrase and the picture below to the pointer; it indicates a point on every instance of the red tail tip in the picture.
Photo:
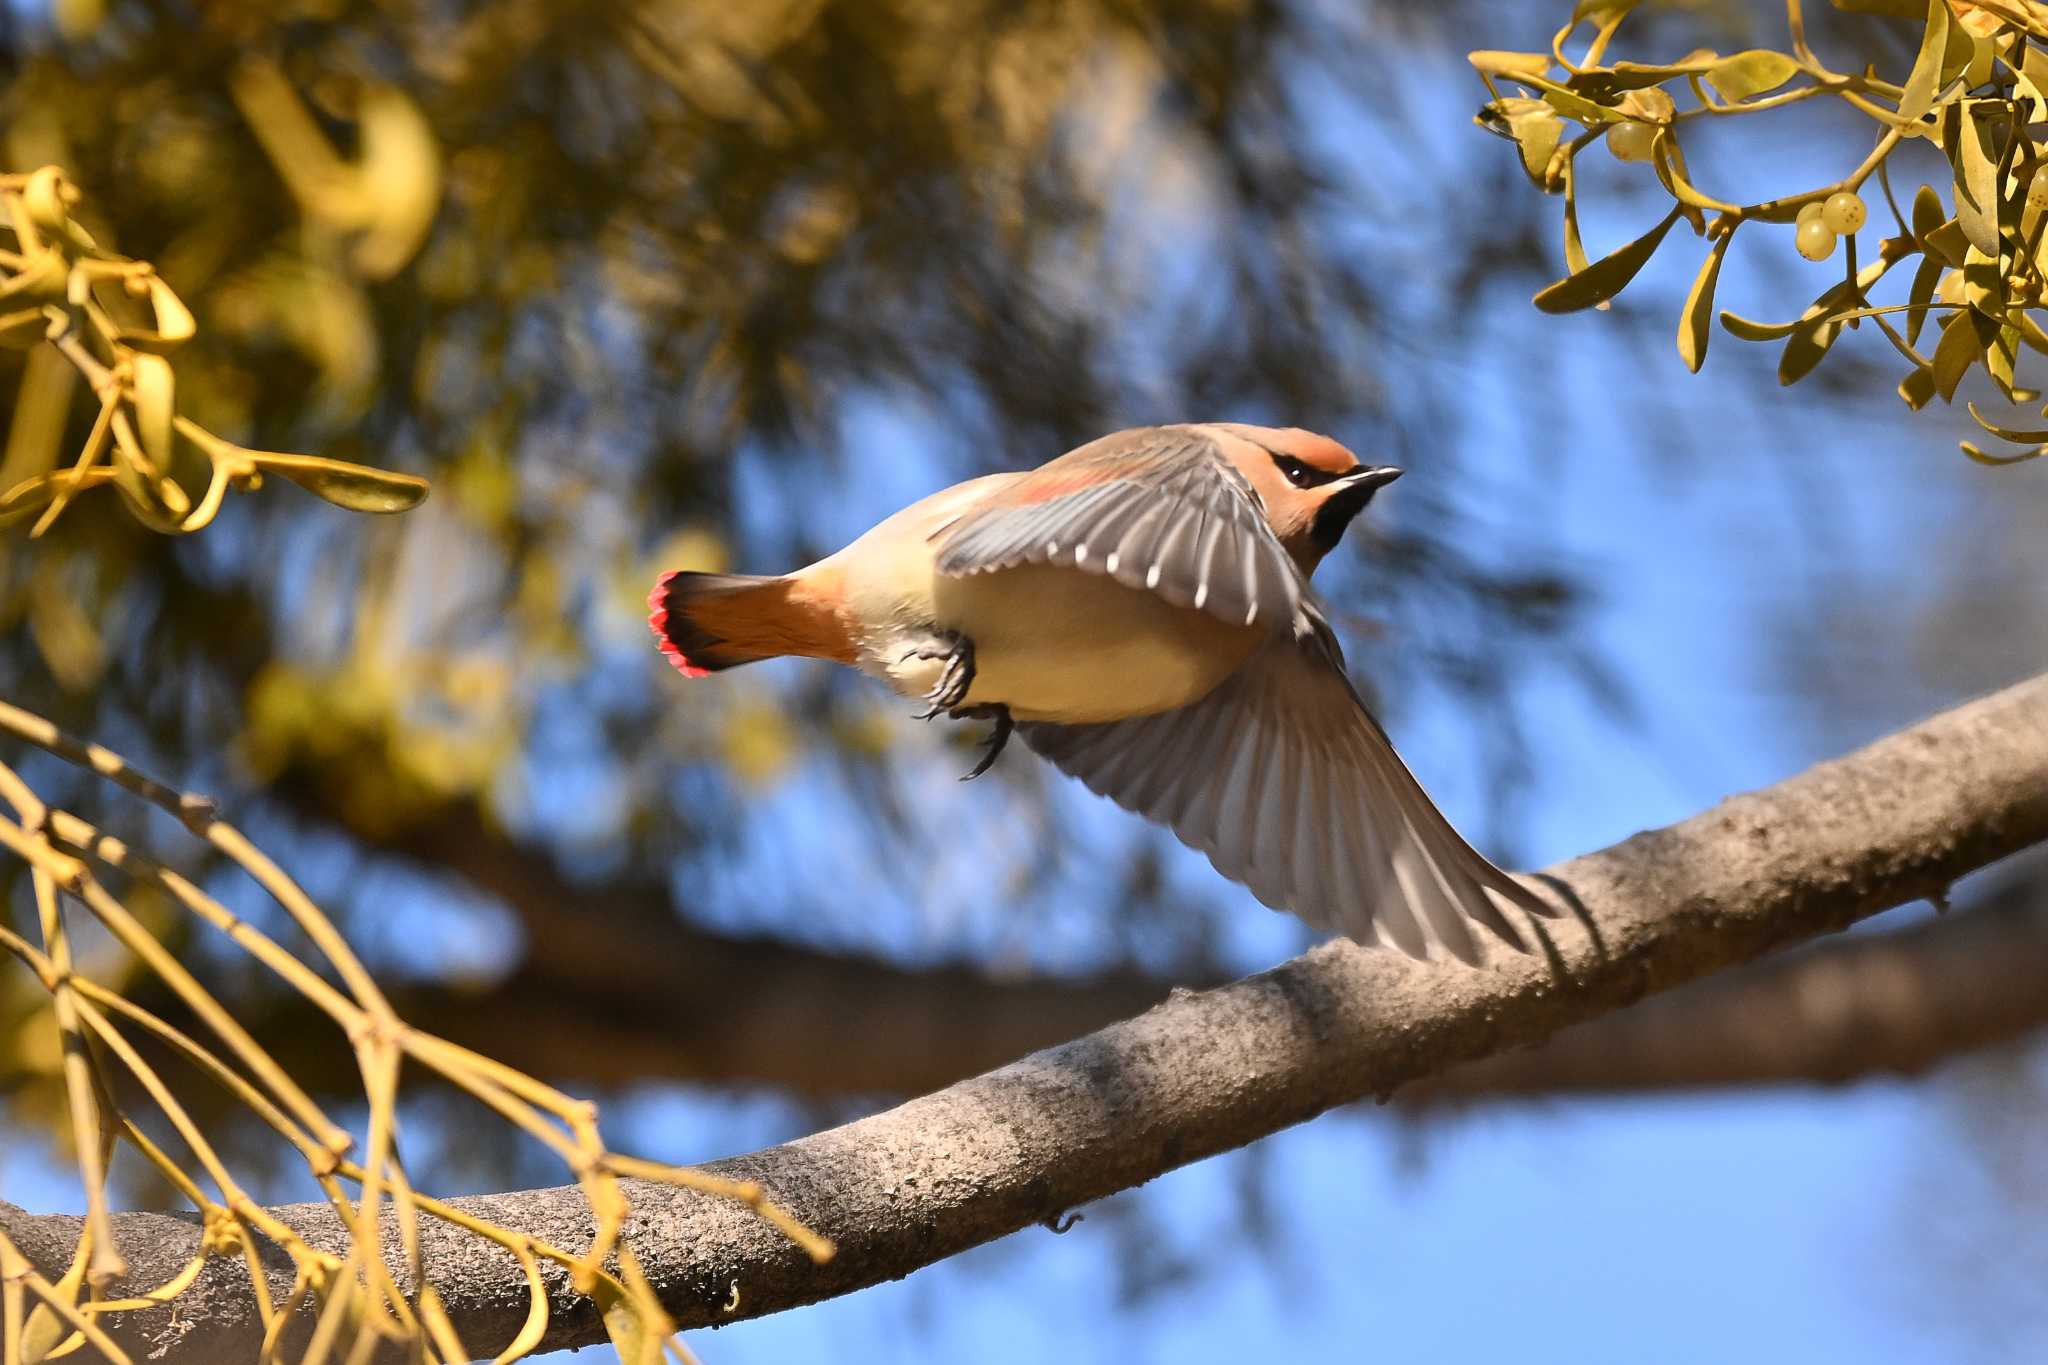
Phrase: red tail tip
(657, 621)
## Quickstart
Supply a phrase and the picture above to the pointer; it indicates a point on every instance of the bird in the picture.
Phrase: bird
(1138, 612)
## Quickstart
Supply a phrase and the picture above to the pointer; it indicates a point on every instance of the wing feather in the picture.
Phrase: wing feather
(1289, 786)
(1157, 508)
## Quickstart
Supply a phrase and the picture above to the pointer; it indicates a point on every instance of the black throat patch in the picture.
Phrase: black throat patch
(1336, 513)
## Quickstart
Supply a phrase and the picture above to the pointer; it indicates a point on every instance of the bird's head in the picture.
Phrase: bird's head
(1311, 486)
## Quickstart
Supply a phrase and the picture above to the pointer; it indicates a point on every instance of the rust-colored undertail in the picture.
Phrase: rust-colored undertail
(711, 621)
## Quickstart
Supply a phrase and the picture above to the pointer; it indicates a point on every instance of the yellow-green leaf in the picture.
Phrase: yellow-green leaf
(1603, 83)
(1833, 301)
(1918, 97)
(1695, 322)
(153, 389)
(1974, 152)
(1606, 277)
(1963, 338)
(1985, 457)
(154, 500)
(1983, 283)
(45, 1329)
(1810, 337)
(1950, 241)
(1510, 63)
(1917, 388)
(1538, 139)
(624, 1324)
(356, 487)
(1574, 246)
(1751, 73)
(2016, 436)
(173, 327)
(2001, 353)
(2030, 330)
(1537, 131)
(1999, 359)
(1574, 105)
(1928, 213)
(1648, 105)
(1958, 52)
(174, 322)
(1806, 348)
(1568, 101)
(1921, 294)
(2031, 83)
(1750, 330)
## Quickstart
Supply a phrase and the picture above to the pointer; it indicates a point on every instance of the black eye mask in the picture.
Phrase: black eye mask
(1300, 473)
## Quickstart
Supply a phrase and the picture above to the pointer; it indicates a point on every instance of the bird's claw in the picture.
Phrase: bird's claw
(1000, 714)
(948, 695)
(955, 680)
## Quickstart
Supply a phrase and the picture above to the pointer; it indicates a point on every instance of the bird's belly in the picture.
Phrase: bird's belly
(1066, 645)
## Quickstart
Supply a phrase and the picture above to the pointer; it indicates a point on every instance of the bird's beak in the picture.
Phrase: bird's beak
(1352, 492)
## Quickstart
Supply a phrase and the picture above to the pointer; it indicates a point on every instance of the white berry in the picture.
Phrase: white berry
(1631, 141)
(1815, 240)
(1843, 212)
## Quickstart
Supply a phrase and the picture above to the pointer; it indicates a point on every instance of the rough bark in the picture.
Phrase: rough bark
(1204, 1072)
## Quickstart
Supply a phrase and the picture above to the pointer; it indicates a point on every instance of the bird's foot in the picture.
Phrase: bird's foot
(955, 678)
(948, 695)
(1000, 736)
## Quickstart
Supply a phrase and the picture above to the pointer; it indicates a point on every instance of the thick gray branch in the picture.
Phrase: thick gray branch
(1204, 1072)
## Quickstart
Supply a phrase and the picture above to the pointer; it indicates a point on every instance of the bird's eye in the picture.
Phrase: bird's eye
(1299, 474)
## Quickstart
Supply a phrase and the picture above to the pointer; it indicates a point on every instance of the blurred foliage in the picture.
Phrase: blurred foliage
(1977, 89)
(80, 302)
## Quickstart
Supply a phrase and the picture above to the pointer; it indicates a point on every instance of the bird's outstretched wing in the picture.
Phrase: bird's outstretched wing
(1290, 786)
(1157, 508)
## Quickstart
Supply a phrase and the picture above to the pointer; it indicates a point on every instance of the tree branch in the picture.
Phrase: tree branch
(1884, 1004)
(1889, 1004)
(700, 1006)
(1204, 1072)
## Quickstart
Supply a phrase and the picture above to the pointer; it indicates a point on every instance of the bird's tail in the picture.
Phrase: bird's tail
(711, 621)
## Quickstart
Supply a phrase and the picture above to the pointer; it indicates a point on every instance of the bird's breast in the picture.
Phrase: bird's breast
(1060, 644)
